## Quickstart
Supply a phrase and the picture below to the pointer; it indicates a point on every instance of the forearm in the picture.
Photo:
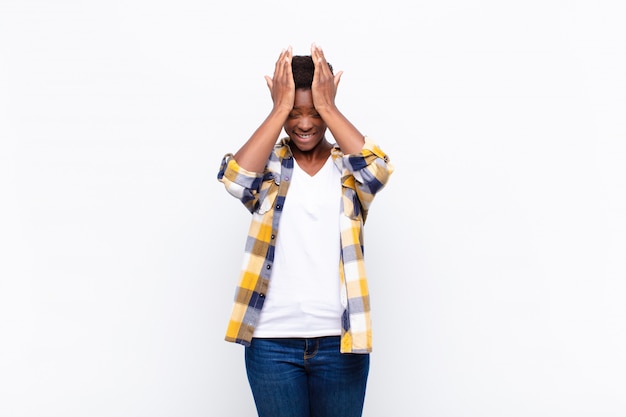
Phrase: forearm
(253, 155)
(348, 137)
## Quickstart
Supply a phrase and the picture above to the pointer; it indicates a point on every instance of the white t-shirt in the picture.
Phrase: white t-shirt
(303, 299)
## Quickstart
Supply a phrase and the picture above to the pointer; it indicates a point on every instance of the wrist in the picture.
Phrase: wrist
(281, 110)
(327, 109)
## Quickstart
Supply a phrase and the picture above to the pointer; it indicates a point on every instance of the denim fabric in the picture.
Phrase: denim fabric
(306, 377)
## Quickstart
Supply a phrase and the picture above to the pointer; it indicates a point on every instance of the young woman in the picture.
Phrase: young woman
(302, 305)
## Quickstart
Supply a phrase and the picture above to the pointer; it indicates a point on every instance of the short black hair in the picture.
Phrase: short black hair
(303, 69)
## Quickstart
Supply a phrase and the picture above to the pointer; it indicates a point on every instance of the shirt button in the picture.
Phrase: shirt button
(277, 206)
(261, 295)
(268, 266)
(286, 178)
(273, 236)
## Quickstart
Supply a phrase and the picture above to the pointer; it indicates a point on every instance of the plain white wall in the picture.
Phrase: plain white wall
(495, 255)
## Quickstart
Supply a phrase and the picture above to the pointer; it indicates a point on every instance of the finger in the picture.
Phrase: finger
(338, 78)
(270, 82)
(287, 64)
(319, 60)
(315, 55)
(319, 54)
(284, 64)
(278, 64)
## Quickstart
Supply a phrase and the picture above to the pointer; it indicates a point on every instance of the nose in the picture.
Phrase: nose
(305, 123)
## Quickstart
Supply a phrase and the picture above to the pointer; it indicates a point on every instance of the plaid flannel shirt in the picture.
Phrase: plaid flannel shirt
(264, 194)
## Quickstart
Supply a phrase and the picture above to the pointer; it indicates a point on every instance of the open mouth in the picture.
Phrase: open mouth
(304, 136)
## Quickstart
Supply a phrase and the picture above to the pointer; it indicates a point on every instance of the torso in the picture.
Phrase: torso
(303, 299)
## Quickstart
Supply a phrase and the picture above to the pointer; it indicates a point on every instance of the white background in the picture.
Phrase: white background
(496, 254)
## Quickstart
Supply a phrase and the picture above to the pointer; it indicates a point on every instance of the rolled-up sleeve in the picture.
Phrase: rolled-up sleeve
(241, 184)
(371, 169)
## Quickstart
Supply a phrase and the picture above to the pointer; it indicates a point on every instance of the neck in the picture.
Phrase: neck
(319, 153)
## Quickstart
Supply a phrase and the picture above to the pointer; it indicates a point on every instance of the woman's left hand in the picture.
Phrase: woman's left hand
(324, 87)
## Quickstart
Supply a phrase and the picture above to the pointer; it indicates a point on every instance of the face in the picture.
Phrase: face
(305, 127)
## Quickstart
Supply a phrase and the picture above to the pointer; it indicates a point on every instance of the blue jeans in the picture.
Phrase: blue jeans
(306, 378)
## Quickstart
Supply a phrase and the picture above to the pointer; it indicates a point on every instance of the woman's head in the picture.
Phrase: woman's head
(305, 127)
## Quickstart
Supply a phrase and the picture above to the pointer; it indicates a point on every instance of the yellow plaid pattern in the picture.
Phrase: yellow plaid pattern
(264, 194)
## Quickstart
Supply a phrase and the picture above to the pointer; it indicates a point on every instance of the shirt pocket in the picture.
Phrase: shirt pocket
(267, 196)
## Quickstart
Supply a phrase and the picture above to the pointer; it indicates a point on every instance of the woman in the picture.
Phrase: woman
(302, 304)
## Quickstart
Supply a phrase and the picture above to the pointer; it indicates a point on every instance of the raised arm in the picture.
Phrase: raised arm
(324, 90)
(253, 155)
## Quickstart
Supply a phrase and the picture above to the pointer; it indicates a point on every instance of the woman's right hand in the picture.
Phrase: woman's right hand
(282, 87)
